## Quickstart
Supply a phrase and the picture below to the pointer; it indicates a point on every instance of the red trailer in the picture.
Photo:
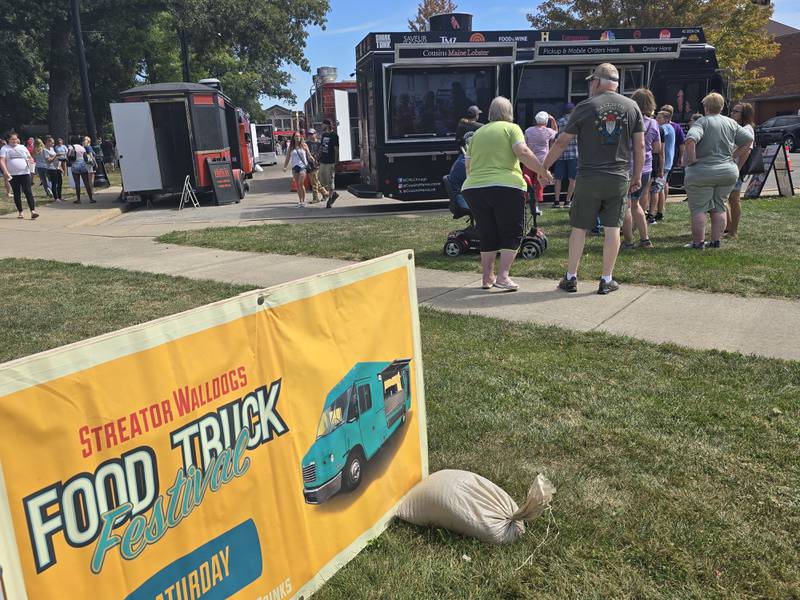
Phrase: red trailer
(338, 101)
(166, 131)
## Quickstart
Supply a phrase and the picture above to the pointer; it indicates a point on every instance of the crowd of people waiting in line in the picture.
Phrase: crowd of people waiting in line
(616, 153)
(50, 160)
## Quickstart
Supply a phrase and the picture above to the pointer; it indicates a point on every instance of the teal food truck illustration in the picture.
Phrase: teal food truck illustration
(360, 413)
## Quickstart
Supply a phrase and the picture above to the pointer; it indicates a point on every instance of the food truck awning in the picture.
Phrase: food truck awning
(458, 54)
(594, 51)
(393, 369)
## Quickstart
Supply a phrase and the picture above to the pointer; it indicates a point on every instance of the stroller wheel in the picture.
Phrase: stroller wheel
(453, 248)
(531, 249)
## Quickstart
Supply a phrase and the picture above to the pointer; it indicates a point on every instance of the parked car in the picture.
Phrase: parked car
(784, 129)
(359, 415)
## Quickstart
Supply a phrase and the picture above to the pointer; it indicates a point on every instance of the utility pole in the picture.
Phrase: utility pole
(91, 126)
(100, 179)
(184, 54)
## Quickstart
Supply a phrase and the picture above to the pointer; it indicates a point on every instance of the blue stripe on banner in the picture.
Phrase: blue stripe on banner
(216, 570)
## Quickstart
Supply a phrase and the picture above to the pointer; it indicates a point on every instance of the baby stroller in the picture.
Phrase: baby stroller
(459, 241)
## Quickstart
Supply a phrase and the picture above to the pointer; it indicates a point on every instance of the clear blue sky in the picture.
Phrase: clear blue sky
(350, 20)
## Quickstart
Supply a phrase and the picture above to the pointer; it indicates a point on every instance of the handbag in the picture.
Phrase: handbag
(754, 165)
(312, 164)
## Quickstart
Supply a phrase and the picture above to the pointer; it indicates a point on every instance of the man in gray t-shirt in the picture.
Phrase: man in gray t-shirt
(605, 125)
(610, 128)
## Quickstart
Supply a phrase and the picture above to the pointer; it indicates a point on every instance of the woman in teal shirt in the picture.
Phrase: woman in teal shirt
(495, 190)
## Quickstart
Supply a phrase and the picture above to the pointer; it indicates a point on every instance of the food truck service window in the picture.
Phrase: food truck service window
(578, 86)
(631, 76)
(429, 102)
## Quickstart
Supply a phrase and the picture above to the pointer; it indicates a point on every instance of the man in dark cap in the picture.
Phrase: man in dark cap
(467, 124)
(610, 132)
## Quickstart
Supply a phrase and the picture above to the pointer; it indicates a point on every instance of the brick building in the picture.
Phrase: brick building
(783, 98)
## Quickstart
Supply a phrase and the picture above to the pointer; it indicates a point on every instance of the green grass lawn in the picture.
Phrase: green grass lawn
(677, 470)
(40, 197)
(49, 304)
(763, 261)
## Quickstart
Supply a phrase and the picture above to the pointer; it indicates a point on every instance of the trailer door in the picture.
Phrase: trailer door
(136, 146)
(254, 142)
(342, 102)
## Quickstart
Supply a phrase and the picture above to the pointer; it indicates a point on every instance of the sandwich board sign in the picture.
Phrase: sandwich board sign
(244, 449)
(776, 160)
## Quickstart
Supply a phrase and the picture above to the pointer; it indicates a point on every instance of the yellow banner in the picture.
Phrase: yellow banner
(244, 449)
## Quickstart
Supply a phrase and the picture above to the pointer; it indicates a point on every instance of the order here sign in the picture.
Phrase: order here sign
(245, 449)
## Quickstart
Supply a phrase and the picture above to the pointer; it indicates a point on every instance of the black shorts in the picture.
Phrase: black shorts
(297, 169)
(500, 216)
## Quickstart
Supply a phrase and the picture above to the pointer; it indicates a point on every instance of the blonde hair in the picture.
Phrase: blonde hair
(38, 145)
(501, 110)
(664, 114)
(646, 101)
(713, 103)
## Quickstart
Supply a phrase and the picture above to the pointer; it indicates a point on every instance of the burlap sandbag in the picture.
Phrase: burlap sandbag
(471, 505)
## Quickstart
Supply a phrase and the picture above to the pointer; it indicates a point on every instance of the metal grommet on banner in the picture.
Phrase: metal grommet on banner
(261, 300)
(410, 255)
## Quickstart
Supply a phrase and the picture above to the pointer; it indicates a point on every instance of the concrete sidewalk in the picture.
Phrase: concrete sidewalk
(759, 326)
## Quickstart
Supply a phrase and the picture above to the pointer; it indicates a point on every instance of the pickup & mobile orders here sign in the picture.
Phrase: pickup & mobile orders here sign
(163, 462)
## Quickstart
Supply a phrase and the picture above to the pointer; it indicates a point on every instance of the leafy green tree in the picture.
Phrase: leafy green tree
(736, 28)
(247, 45)
(23, 81)
(428, 8)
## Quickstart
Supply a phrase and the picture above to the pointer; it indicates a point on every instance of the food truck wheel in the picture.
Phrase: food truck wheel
(353, 470)
(453, 248)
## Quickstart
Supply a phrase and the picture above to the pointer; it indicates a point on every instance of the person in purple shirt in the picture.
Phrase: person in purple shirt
(635, 211)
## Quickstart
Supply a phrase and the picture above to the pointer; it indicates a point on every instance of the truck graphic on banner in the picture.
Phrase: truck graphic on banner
(359, 415)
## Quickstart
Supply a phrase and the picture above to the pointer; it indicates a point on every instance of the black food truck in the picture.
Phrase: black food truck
(414, 87)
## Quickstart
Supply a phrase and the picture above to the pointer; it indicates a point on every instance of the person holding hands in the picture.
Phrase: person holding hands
(609, 128)
(495, 190)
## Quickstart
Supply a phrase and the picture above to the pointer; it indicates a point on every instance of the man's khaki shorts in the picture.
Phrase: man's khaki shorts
(598, 195)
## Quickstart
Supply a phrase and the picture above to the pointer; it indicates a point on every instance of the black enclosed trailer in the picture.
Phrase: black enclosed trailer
(414, 87)
(168, 131)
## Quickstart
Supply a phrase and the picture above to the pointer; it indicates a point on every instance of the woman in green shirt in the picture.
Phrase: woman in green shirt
(495, 190)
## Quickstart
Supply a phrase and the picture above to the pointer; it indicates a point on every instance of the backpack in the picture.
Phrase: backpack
(71, 155)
